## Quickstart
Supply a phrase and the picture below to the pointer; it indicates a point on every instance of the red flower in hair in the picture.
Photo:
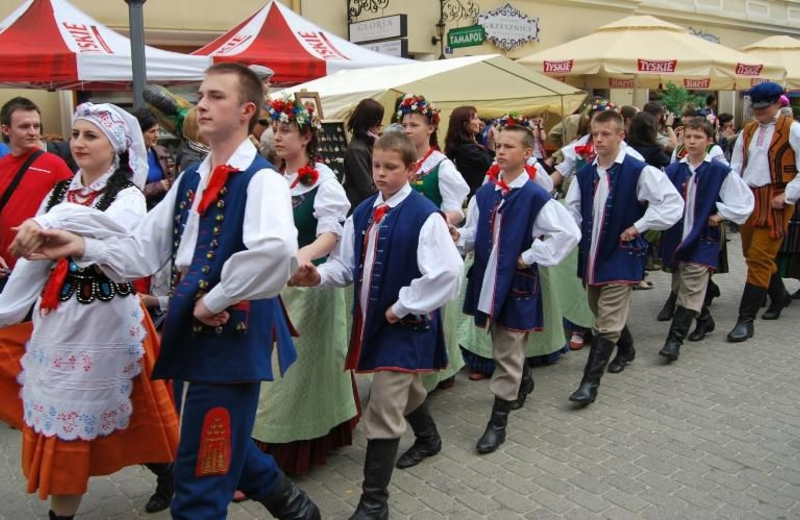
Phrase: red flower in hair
(586, 151)
(307, 176)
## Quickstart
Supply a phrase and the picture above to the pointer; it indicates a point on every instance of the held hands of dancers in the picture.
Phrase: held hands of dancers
(306, 276)
(34, 243)
(454, 234)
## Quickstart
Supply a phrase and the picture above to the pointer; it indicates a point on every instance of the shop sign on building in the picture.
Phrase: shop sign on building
(508, 28)
(397, 48)
(466, 36)
(383, 28)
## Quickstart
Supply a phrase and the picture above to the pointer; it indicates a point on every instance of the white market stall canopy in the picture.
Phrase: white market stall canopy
(494, 84)
(781, 50)
(50, 44)
(645, 52)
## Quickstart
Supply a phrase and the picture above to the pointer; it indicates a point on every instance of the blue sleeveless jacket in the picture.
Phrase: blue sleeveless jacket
(241, 350)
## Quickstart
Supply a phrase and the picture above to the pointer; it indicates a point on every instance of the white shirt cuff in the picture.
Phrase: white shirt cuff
(216, 301)
(399, 310)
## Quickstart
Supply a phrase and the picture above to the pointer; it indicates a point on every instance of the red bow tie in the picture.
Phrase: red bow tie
(379, 212)
(219, 177)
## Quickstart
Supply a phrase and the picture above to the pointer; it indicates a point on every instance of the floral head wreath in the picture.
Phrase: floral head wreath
(600, 105)
(413, 104)
(514, 119)
(289, 110)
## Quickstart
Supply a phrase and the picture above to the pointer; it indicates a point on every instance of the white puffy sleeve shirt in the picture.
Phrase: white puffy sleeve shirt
(330, 204)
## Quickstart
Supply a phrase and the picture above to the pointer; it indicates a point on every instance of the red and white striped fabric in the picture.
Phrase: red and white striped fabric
(296, 49)
(52, 44)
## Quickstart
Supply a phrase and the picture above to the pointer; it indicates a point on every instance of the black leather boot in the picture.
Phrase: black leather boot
(752, 296)
(625, 352)
(54, 516)
(525, 387)
(681, 323)
(427, 443)
(378, 467)
(705, 322)
(779, 298)
(165, 487)
(495, 433)
(668, 310)
(599, 355)
(288, 502)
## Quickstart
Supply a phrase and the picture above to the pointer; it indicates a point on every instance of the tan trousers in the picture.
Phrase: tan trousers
(508, 351)
(760, 250)
(393, 395)
(689, 282)
(610, 304)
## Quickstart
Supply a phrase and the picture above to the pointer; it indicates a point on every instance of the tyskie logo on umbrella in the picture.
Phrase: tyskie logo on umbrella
(697, 83)
(87, 38)
(555, 67)
(668, 66)
(743, 69)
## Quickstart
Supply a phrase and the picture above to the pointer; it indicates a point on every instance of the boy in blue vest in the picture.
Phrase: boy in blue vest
(615, 199)
(227, 230)
(712, 193)
(397, 252)
(513, 226)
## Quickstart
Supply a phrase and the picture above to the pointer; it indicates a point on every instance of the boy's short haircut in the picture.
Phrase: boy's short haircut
(701, 123)
(399, 143)
(527, 136)
(251, 89)
(609, 116)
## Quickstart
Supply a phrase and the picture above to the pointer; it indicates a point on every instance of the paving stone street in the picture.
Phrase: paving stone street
(715, 435)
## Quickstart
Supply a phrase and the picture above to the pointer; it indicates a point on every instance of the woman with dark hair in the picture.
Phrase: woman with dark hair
(461, 146)
(364, 124)
(643, 137)
(159, 174)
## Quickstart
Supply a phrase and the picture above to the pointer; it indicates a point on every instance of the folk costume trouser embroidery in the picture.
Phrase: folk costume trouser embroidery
(689, 283)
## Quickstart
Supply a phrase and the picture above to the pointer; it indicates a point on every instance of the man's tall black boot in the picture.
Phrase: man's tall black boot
(779, 298)
(288, 502)
(427, 443)
(525, 386)
(625, 352)
(705, 322)
(599, 355)
(681, 323)
(165, 487)
(752, 296)
(495, 433)
(54, 516)
(378, 467)
(668, 310)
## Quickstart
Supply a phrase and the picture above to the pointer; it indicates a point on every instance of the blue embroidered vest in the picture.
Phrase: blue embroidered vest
(241, 350)
(703, 243)
(517, 298)
(416, 343)
(615, 261)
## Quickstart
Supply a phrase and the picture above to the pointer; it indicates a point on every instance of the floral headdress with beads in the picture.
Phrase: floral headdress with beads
(515, 119)
(600, 105)
(289, 110)
(413, 104)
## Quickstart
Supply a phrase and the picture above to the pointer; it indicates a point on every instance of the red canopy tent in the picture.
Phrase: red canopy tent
(296, 49)
(51, 44)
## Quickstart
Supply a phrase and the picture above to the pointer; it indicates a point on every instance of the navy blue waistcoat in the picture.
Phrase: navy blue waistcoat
(241, 350)
(517, 298)
(416, 343)
(615, 261)
(702, 244)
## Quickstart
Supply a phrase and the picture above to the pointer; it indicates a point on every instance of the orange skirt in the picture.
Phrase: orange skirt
(12, 347)
(57, 467)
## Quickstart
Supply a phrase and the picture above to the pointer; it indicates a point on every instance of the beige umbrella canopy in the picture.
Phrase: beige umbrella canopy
(781, 50)
(645, 52)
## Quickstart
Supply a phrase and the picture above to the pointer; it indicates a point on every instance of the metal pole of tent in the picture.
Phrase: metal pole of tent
(136, 22)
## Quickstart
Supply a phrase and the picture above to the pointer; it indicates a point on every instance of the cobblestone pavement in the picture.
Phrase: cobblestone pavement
(714, 435)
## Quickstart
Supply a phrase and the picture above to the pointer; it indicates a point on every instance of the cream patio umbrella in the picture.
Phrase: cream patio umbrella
(645, 52)
(781, 50)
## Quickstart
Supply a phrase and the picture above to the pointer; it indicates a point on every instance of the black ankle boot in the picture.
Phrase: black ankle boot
(288, 502)
(752, 296)
(681, 323)
(668, 310)
(378, 467)
(495, 433)
(427, 443)
(625, 352)
(599, 355)
(525, 387)
(165, 487)
(779, 298)
(54, 516)
(705, 322)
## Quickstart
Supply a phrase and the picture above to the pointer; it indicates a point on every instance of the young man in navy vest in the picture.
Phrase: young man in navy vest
(397, 251)
(615, 200)
(513, 226)
(226, 227)
(767, 156)
(691, 247)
